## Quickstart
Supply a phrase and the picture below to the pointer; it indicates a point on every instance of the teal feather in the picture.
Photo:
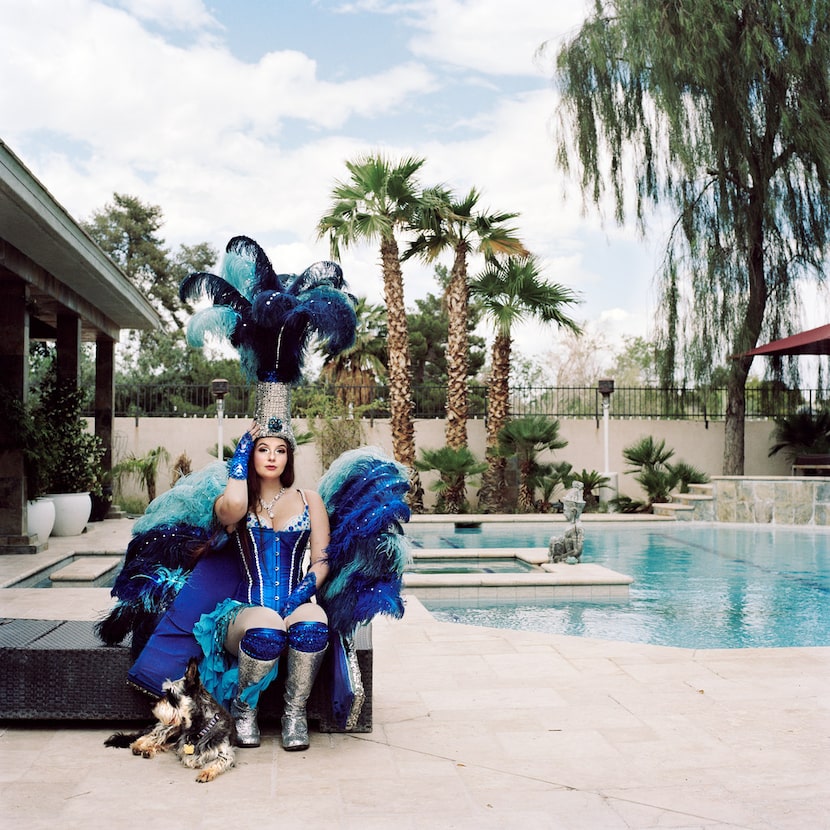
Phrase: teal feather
(240, 272)
(218, 321)
(189, 502)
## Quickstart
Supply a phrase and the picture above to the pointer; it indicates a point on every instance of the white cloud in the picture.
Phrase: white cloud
(171, 14)
(492, 36)
(226, 146)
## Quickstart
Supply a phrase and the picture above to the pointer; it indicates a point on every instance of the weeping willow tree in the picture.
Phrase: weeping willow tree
(719, 110)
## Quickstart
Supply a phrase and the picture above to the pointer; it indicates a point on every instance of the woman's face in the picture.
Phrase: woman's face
(270, 458)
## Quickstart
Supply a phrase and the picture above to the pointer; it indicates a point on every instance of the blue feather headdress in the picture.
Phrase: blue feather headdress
(269, 319)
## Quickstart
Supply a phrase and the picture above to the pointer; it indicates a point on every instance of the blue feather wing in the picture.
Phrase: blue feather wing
(160, 555)
(364, 492)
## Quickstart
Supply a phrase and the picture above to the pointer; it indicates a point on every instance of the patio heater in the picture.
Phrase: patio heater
(606, 389)
(219, 388)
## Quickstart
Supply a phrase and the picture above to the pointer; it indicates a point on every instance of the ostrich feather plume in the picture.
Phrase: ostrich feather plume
(270, 318)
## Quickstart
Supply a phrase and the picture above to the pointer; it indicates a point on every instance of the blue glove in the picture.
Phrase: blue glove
(238, 465)
(302, 593)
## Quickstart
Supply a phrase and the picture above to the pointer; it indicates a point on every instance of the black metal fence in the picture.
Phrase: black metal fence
(166, 400)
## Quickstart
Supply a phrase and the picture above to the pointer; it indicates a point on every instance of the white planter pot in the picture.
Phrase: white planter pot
(71, 513)
(40, 517)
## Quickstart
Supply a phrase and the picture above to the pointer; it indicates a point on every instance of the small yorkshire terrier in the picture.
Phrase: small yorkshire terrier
(189, 721)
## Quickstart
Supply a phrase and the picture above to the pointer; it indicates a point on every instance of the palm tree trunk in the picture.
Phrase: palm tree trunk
(525, 492)
(454, 494)
(457, 352)
(498, 412)
(400, 386)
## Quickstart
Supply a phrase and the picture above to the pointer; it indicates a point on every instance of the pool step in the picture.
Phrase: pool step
(698, 505)
(86, 572)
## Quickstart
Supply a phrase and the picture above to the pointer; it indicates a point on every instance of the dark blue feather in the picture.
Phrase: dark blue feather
(198, 286)
(278, 313)
(363, 491)
(318, 275)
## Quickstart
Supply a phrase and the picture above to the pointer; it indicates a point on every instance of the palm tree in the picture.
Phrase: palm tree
(356, 370)
(652, 471)
(378, 200)
(526, 438)
(454, 466)
(144, 468)
(445, 223)
(511, 291)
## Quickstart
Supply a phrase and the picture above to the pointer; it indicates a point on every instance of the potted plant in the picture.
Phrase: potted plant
(75, 471)
(29, 430)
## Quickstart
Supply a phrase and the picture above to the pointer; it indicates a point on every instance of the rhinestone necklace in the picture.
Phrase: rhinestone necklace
(268, 507)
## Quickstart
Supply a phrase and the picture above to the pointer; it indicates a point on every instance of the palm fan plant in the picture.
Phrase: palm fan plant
(525, 438)
(652, 471)
(802, 433)
(454, 466)
(144, 468)
(591, 481)
(510, 291)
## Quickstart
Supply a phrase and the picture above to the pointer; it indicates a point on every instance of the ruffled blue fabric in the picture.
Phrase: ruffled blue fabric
(218, 669)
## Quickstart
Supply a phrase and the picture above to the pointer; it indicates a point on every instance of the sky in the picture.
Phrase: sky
(237, 117)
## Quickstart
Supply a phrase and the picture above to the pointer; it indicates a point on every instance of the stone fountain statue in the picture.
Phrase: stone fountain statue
(568, 548)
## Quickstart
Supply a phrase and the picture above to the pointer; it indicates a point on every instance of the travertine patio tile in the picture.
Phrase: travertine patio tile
(479, 728)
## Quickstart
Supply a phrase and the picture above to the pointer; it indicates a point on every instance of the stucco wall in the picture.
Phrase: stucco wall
(693, 442)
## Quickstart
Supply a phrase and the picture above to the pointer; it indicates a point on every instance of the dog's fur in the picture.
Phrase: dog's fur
(189, 721)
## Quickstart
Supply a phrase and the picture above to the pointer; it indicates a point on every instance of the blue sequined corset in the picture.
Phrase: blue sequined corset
(274, 567)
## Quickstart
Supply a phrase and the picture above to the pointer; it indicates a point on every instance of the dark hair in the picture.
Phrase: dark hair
(286, 479)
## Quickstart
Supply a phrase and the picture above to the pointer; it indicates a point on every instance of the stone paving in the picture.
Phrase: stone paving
(473, 728)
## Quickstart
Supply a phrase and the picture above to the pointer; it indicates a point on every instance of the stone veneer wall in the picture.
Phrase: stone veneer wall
(780, 500)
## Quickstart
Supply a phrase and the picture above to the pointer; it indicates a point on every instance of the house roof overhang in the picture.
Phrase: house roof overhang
(65, 269)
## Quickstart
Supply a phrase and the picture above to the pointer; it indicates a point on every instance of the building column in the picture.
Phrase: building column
(68, 346)
(14, 382)
(105, 396)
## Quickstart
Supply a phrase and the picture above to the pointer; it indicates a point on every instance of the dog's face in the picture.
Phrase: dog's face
(177, 706)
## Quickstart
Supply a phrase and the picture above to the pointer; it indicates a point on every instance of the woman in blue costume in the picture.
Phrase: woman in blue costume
(270, 609)
(240, 601)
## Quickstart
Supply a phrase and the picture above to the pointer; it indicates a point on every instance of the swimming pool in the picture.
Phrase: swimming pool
(695, 586)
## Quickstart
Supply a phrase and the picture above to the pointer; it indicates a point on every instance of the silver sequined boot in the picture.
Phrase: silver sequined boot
(251, 671)
(300, 675)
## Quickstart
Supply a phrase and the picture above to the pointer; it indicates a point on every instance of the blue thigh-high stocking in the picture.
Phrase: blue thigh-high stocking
(263, 643)
(308, 636)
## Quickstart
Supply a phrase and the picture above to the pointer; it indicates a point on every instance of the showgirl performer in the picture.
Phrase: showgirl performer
(214, 567)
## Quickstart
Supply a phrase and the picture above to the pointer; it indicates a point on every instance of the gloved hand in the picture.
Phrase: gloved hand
(302, 593)
(238, 465)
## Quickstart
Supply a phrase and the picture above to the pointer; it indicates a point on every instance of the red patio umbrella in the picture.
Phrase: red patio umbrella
(814, 341)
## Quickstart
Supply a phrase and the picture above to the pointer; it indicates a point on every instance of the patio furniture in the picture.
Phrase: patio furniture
(816, 465)
(60, 670)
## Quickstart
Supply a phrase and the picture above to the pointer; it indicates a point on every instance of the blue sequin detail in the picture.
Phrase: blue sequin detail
(301, 594)
(308, 636)
(263, 643)
(238, 465)
(300, 521)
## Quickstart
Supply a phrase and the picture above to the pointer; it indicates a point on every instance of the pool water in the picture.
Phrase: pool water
(445, 565)
(695, 586)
